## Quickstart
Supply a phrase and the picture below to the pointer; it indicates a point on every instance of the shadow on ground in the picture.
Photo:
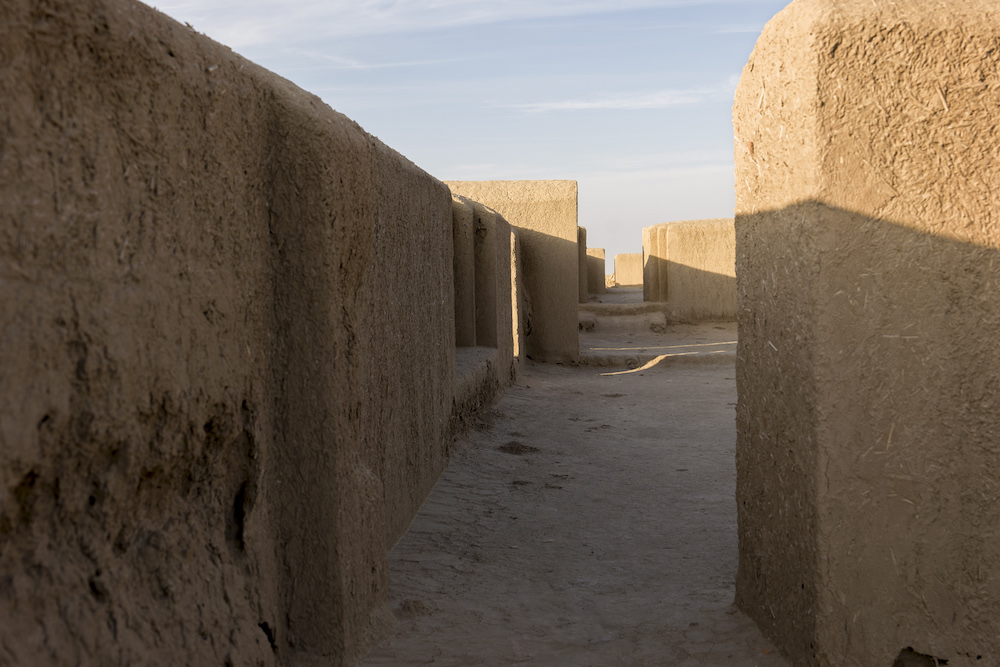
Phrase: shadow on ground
(590, 521)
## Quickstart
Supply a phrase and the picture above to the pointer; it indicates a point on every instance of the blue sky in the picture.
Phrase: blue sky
(631, 98)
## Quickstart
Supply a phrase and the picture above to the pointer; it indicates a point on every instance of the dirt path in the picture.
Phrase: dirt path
(591, 522)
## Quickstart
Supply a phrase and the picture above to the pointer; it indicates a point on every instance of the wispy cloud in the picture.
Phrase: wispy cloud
(661, 99)
(497, 171)
(657, 100)
(667, 159)
(737, 29)
(665, 172)
(334, 62)
(261, 22)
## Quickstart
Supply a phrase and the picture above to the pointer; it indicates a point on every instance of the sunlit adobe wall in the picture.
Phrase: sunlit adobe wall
(544, 214)
(867, 191)
(227, 344)
(629, 269)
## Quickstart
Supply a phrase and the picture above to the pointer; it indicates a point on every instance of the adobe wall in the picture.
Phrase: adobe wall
(868, 305)
(700, 269)
(485, 371)
(596, 271)
(487, 299)
(628, 268)
(520, 306)
(581, 249)
(226, 350)
(659, 239)
(545, 216)
(464, 263)
(650, 265)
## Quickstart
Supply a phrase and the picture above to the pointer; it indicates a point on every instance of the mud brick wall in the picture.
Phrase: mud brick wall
(544, 213)
(868, 372)
(226, 350)
(484, 371)
(650, 265)
(691, 266)
(629, 269)
(464, 262)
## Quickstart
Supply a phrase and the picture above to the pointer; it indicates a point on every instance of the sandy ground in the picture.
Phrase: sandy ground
(590, 520)
(709, 342)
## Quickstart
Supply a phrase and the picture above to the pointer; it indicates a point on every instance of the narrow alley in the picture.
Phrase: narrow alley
(589, 520)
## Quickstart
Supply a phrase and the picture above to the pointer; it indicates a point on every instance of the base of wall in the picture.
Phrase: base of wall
(480, 381)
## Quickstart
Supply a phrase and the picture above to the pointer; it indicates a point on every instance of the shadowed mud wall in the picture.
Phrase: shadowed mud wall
(650, 264)
(691, 266)
(629, 268)
(545, 215)
(463, 234)
(226, 350)
(596, 283)
(869, 301)
(485, 371)
(581, 249)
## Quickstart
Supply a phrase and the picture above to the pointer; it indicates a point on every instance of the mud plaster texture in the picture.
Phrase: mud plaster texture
(596, 278)
(589, 523)
(690, 266)
(545, 216)
(226, 351)
(867, 191)
(628, 269)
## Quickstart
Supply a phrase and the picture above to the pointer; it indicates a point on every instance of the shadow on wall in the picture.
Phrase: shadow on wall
(693, 294)
(549, 339)
(868, 419)
(489, 307)
(545, 215)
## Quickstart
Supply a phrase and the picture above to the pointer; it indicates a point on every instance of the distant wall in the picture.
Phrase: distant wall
(227, 344)
(869, 304)
(581, 249)
(545, 215)
(628, 269)
(691, 267)
(596, 283)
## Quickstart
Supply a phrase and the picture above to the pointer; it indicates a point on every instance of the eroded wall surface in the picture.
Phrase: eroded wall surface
(629, 269)
(545, 215)
(868, 372)
(226, 350)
